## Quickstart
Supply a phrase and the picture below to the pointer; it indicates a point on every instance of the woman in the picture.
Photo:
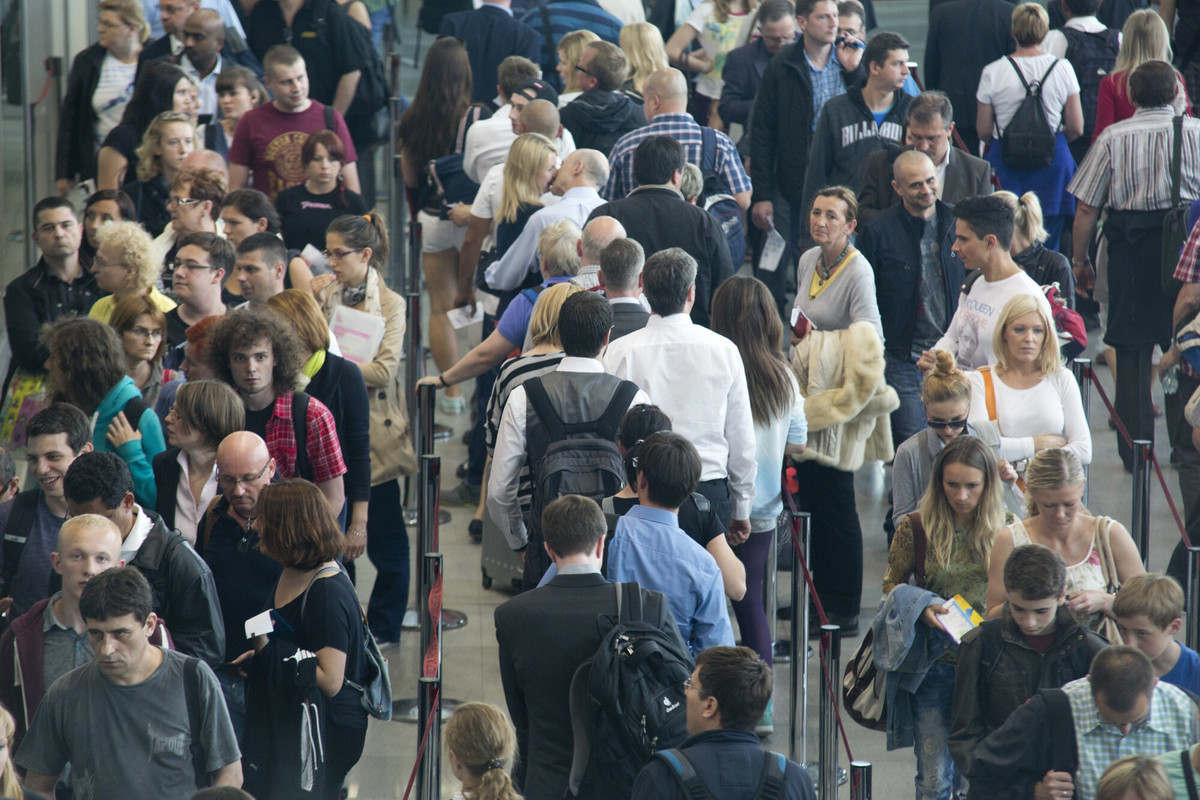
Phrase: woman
(643, 45)
(143, 331)
(1029, 234)
(1143, 778)
(836, 290)
(480, 745)
(98, 88)
(308, 209)
(203, 414)
(1031, 397)
(358, 250)
(10, 784)
(440, 111)
(1000, 94)
(238, 91)
(716, 23)
(169, 139)
(570, 49)
(530, 169)
(322, 615)
(161, 87)
(958, 518)
(106, 205)
(1099, 552)
(744, 312)
(1144, 38)
(244, 212)
(125, 267)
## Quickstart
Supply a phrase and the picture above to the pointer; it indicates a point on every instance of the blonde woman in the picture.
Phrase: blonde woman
(168, 140)
(1028, 246)
(530, 169)
(716, 23)
(570, 48)
(1028, 393)
(125, 267)
(1144, 38)
(481, 744)
(643, 45)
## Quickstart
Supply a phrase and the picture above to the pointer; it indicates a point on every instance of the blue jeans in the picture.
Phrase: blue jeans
(937, 777)
(378, 20)
(234, 690)
(907, 380)
(387, 547)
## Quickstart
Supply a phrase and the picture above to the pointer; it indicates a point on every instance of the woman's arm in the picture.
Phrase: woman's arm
(1073, 118)
(331, 670)
(1002, 547)
(901, 556)
(1076, 432)
(301, 274)
(696, 61)
(985, 122)
(110, 168)
(733, 571)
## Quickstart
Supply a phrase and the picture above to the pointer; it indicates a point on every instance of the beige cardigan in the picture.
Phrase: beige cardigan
(391, 435)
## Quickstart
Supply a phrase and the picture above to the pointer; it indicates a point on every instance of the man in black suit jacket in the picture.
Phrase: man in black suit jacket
(491, 35)
(745, 65)
(964, 37)
(656, 216)
(621, 278)
(546, 633)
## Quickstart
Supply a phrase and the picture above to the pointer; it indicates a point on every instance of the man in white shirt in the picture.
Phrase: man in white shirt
(489, 140)
(697, 378)
(203, 38)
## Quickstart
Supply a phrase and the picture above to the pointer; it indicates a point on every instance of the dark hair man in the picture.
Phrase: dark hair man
(601, 114)
(489, 140)
(492, 36)
(744, 66)
(198, 272)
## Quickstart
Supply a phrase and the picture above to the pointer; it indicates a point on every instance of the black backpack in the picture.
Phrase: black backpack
(1028, 142)
(1093, 56)
(770, 785)
(367, 117)
(717, 199)
(627, 701)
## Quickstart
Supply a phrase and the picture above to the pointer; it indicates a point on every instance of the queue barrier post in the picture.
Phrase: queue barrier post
(429, 769)
(1081, 368)
(831, 643)
(798, 718)
(860, 780)
(1193, 594)
(1141, 497)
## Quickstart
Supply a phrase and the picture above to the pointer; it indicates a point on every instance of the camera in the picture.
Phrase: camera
(852, 43)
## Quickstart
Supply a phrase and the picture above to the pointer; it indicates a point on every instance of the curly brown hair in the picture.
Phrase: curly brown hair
(245, 328)
(89, 356)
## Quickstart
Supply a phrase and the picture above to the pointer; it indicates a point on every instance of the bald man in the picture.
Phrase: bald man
(917, 280)
(666, 112)
(203, 37)
(207, 159)
(597, 235)
(50, 639)
(578, 181)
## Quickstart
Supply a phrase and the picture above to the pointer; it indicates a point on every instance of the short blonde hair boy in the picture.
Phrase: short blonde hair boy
(1159, 597)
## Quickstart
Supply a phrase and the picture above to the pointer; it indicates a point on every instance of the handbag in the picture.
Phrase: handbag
(1107, 626)
(25, 398)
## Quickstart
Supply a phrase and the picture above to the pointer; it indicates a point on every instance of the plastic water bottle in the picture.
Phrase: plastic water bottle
(1170, 380)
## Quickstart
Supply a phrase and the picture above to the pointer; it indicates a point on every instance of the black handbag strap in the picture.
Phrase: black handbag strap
(1189, 773)
(920, 545)
(1176, 161)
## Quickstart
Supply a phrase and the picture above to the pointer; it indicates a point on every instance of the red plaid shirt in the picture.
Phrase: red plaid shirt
(1188, 271)
(324, 450)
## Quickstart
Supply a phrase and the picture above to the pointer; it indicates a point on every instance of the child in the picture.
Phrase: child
(1034, 644)
(480, 742)
(1149, 608)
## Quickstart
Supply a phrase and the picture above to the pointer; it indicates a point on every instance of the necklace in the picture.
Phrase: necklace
(826, 271)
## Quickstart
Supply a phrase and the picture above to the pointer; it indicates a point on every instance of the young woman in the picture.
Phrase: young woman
(244, 212)
(1029, 236)
(169, 139)
(106, 205)
(960, 513)
(238, 91)
(1144, 38)
(480, 745)
(10, 784)
(308, 209)
(643, 45)
(143, 331)
(1057, 518)
(161, 87)
(570, 48)
(716, 23)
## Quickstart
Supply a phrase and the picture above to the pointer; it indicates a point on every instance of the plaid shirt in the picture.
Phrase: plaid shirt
(683, 129)
(1170, 726)
(827, 83)
(324, 450)
(1188, 271)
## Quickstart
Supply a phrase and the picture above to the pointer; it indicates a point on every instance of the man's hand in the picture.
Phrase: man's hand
(1085, 277)
(926, 362)
(120, 431)
(1055, 786)
(430, 380)
(849, 57)
(763, 214)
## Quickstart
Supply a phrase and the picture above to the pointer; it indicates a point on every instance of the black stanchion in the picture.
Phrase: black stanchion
(1141, 498)
(831, 644)
(1081, 368)
(860, 780)
(429, 778)
(1193, 593)
(798, 722)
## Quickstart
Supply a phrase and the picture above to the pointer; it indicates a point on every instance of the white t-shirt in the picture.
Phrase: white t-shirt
(112, 95)
(969, 337)
(1000, 87)
(1052, 407)
(717, 38)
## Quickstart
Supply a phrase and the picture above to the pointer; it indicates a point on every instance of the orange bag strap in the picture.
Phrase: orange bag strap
(989, 392)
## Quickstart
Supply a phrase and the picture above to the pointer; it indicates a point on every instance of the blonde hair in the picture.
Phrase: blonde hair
(10, 784)
(1053, 468)
(1030, 24)
(1027, 211)
(1158, 596)
(947, 383)
(149, 161)
(526, 162)
(484, 742)
(643, 46)
(570, 50)
(131, 13)
(543, 324)
(1141, 776)
(1144, 38)
(937, 516)
(721, 10)
(1049, 358)
(135, 248)
(558, 245)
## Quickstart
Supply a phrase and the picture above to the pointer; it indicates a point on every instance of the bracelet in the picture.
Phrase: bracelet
(357, 533)
(442, 381)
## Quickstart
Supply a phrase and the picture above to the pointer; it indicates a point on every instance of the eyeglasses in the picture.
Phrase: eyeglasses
(584, 71)
(175, 265)
(183, 201)
(144, 333)
(949, 424)
(230, 481)
(689, 684)
(330, 255)
(99, 263)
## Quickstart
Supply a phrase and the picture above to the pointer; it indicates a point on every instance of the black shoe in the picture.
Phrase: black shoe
(848, 624)
(475, 530)
(442, 433)
(463, 469)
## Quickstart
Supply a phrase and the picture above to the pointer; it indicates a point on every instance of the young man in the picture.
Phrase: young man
(55, 437)
(1036, 643)
(726, 696)
(488, 140)
(601, 114)
(197, 275)
(142, 692)
(260, 268)
(1149, 613)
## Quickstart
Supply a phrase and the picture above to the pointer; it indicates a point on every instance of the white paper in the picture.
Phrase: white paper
(260, 625)
(462, 317)
(772, 252)
(358, 333)
(314, 258)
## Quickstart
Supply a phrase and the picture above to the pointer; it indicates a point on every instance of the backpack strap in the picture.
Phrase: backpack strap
(693, 786)
(311, 581)
(300, 432)
(191, 694)
(1176, 160)
(330, 120)
(919, 547)
(211, 515)
(536, 394)
(1021, 76)
(1064, 754)
(134, 409)
(20, 523)
(1189, 773)
(629, 603)
(770, 787)
(989, 392)
(972, 276)
(708, 150)
(610, 421)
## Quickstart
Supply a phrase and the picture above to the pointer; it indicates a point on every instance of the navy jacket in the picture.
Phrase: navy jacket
(743, 70)
(730, 762)
(892, 243)
(492, 35)
(75, 157)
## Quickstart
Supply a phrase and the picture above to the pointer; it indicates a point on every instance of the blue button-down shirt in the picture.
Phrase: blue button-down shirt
(649, 547)
(827, 83)
(521, 257)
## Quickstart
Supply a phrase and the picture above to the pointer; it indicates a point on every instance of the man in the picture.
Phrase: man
(1139, 312)
(929, 128)
(269, 138)
(954, 62)
(55, 437)
(57, 285)
(256, 353)
(621, 279)
(665, 108)
(983, 231)
(142, 691)
(745, 65)
(726, 695)
(321, 33)
(50, 639)
(184, 594)
(171, 18)
(203, 38)
(194, 205)
(1118, 709)
(201, 264)
(168, 22)
(546, 633)
(697, 378)
(657, 217)
(577, 183)
(207, 159)
(601, 114)
(598, 234)
(1091, 48)
(489, 140)
(244, 576)
(917, 281)
(865, 119)
(260, 268)
(156, 12)
(579, 391)
(492, 36)
(556, 18)
(649, 546)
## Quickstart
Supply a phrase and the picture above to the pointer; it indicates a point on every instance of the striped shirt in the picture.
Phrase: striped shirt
(1128, 168)
(682, 128)
(566, 16)
(513, 373)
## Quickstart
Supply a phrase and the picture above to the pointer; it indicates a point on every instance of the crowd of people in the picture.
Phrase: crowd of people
(724, 250)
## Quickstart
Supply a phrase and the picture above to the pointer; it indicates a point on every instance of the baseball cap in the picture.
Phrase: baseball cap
(538, 89)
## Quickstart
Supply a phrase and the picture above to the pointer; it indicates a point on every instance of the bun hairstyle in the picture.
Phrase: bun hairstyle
(947, 383)
(483, 741)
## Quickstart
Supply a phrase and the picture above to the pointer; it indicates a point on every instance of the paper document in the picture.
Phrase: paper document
(462, 317)
(358, 333)
(960, 619)
(259, 625)
(772, 252)
(315, 259)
